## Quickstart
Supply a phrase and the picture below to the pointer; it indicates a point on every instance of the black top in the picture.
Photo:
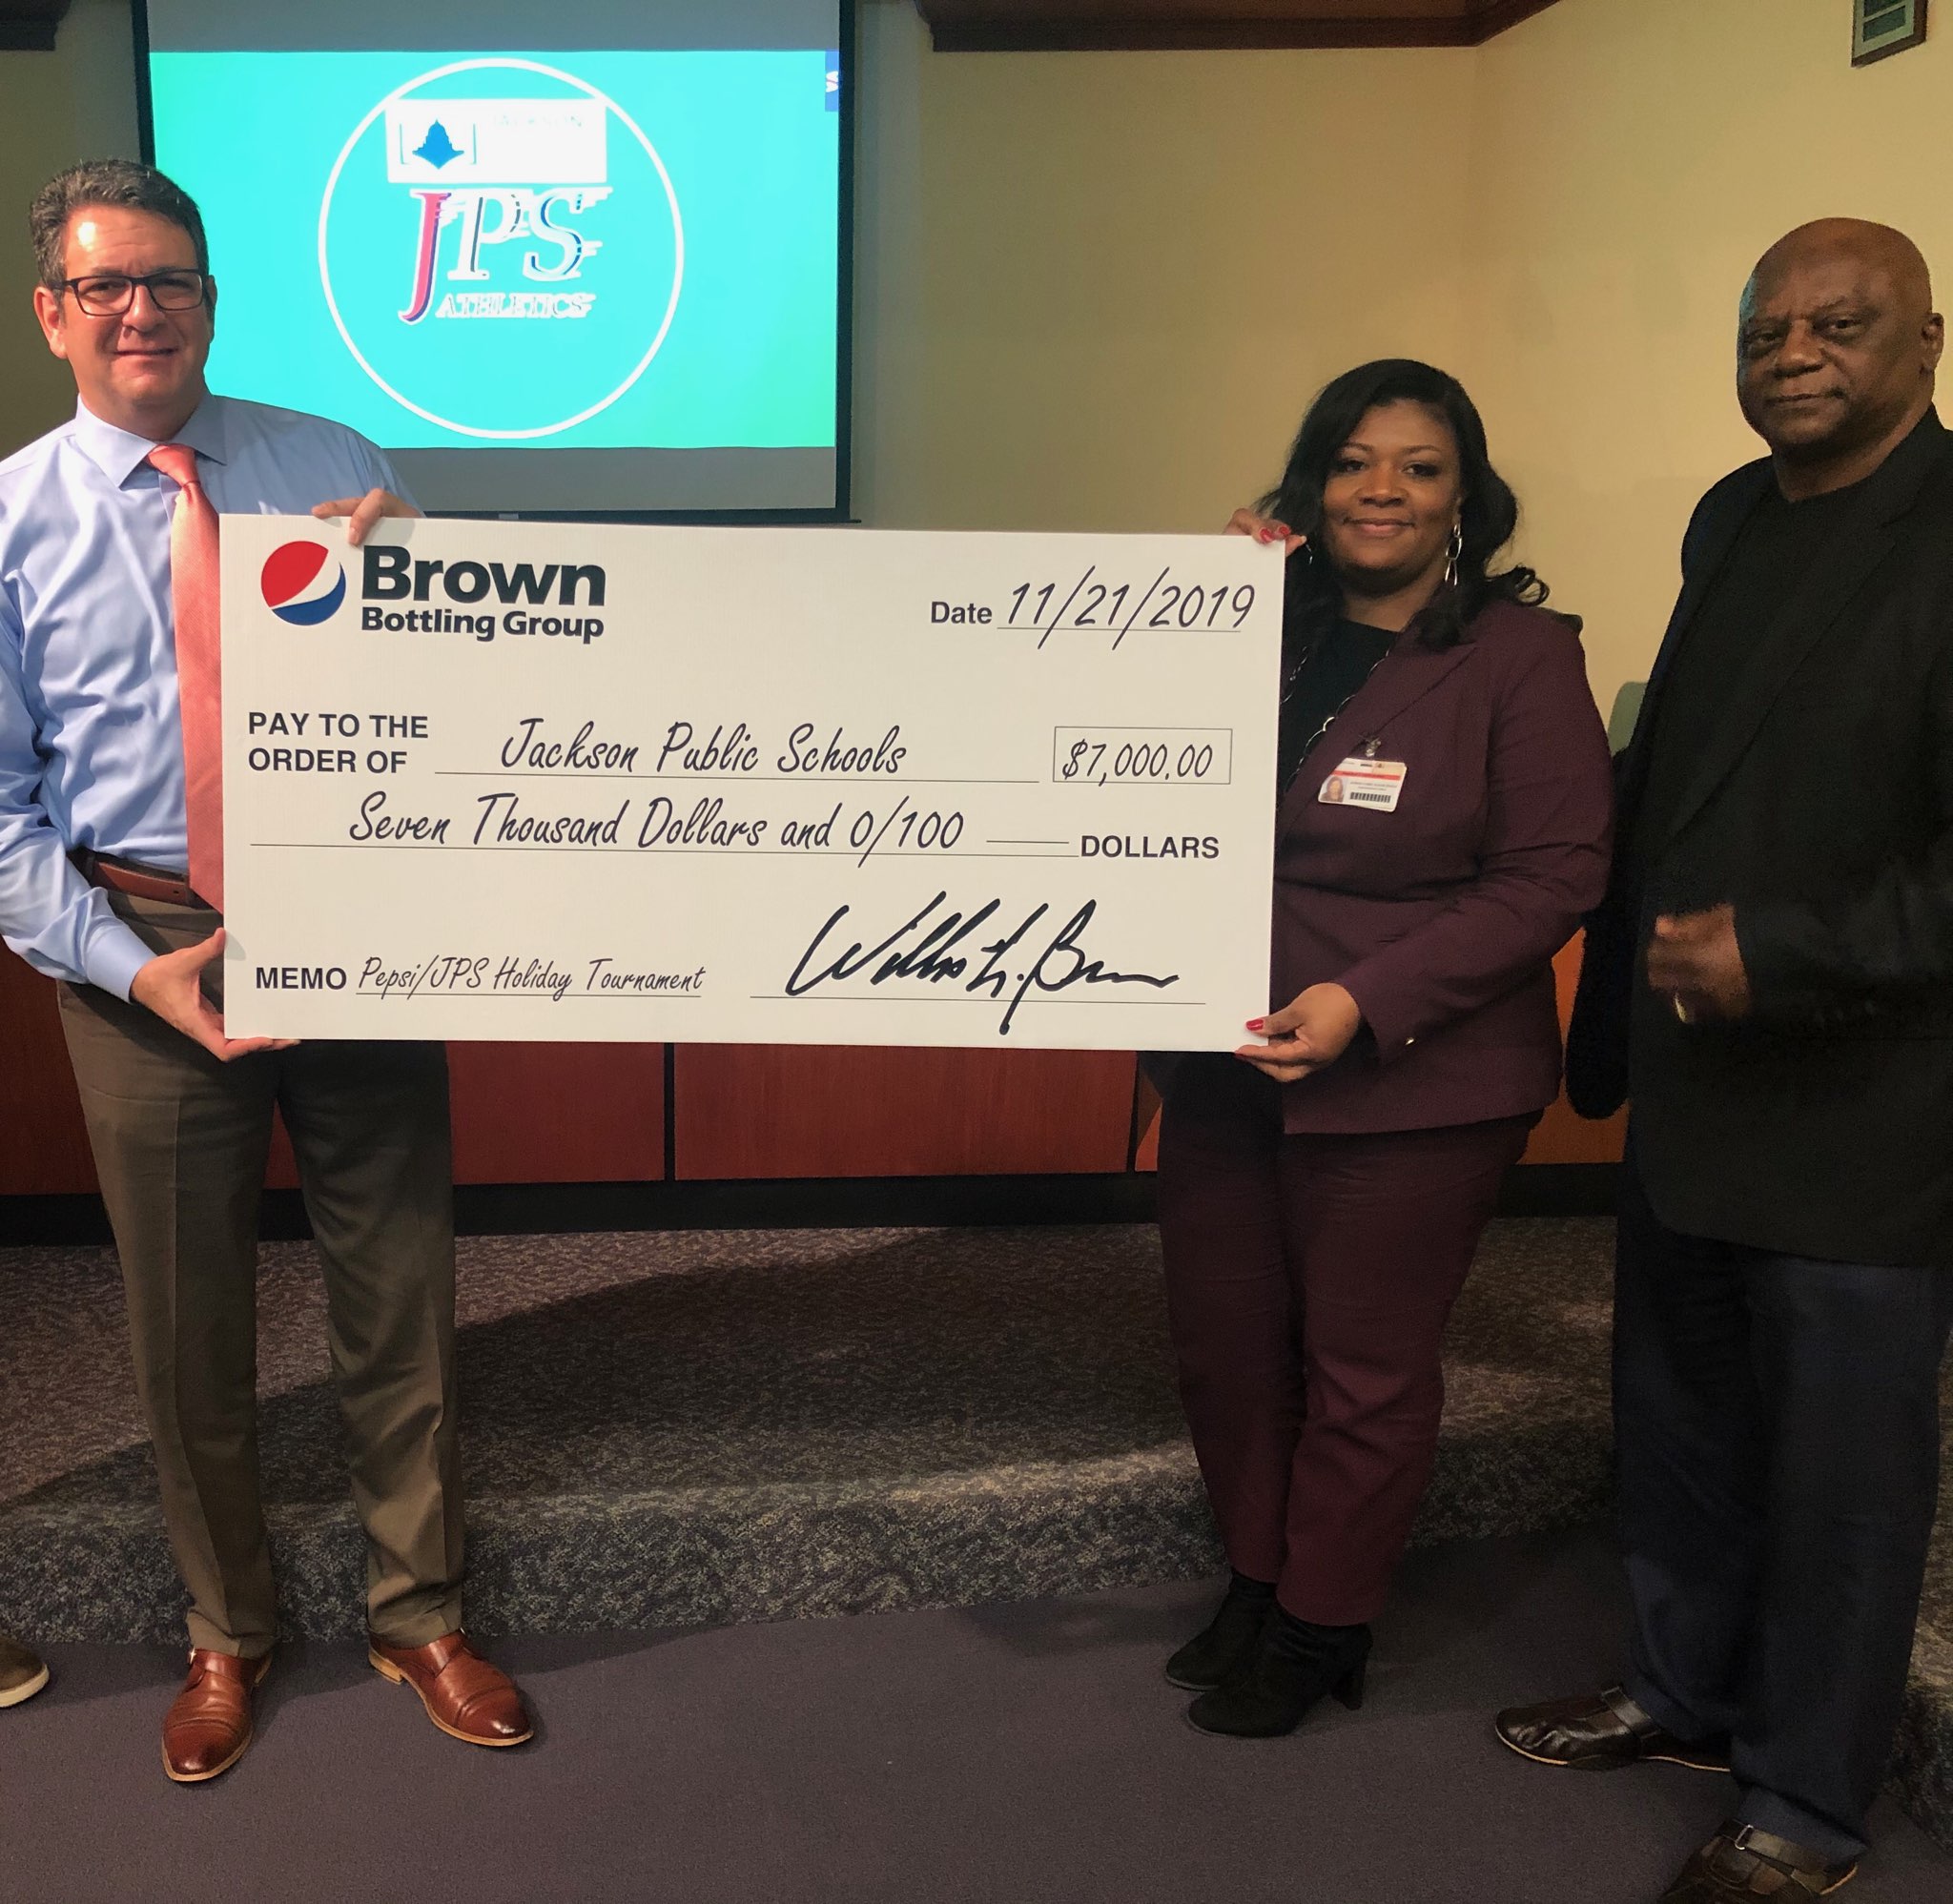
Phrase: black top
(1318, 681)
(1815, 1126)
(1736, 628)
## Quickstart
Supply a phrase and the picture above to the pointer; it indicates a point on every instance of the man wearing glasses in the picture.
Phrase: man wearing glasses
(110, 881)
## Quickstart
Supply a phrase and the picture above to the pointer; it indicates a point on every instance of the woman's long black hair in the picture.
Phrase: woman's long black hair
(1490, 512)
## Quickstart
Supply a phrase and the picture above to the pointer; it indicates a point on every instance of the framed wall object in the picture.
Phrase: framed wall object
(1882, 26)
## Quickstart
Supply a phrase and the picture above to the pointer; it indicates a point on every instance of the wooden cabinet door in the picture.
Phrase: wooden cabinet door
(558, 1114)
(522, 1113)
(753, 1111)
(43, 1142)
(546, 1114)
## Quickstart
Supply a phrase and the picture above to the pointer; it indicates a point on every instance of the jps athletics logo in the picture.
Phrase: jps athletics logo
(501, 248)
(303, 583)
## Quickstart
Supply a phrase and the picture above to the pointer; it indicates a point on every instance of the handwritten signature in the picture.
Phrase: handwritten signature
(934, 945)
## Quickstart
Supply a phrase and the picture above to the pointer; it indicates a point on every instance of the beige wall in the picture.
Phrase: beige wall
(1630, 159)
(1099, 287)
(1094, 290)
(77, 102)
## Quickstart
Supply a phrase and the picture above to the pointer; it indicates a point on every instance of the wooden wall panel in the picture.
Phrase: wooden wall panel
(522, 1113)
(558, 1114)
(1560, 1136)
(43, 1142)
(582, 1113)
(750, 1110)
(281, 1171)
(544, 1113)
(1146, 1115)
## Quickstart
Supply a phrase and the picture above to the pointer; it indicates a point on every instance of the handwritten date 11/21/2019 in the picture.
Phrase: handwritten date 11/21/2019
(1094, 606)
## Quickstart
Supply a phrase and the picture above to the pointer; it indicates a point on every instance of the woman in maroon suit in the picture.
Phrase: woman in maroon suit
(1444, 821)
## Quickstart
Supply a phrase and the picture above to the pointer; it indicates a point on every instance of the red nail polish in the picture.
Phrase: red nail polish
(1256, 1024)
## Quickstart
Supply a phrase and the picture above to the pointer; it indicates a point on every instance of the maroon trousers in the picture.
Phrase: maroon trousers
(1309, 1280)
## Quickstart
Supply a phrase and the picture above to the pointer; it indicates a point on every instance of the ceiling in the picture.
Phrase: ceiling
(992, 26)
(999, 26)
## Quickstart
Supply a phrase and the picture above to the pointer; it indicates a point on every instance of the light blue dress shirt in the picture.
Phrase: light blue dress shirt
(90, 744)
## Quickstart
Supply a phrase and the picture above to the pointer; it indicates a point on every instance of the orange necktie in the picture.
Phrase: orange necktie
(194, 597)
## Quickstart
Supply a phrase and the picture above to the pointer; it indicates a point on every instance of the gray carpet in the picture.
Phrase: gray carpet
(1018, 1754)
(679, 1429)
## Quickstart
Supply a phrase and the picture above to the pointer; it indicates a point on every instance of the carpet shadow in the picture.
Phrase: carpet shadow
(1053, 1628)
(921, 1358)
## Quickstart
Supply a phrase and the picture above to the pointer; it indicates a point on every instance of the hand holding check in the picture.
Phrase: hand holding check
(365, 513)
(1306, 1036)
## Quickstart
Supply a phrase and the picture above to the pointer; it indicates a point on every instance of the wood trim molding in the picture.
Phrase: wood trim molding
(1494, 16)
(28, 26)
(1106, 25)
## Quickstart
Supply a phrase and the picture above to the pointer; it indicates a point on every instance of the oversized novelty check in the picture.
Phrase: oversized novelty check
(538, 781)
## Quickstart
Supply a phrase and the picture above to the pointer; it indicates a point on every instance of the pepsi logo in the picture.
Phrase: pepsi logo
(302, 584)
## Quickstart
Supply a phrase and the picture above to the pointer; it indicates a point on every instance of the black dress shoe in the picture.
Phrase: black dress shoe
(1601, 1732)
(1290, 1668)
(1741, 1862)
(1227, 1638)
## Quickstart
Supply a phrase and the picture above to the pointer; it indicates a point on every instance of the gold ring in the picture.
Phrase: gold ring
(1683, 1015)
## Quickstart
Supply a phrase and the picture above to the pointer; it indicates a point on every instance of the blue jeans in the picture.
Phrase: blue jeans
(1778, 1429)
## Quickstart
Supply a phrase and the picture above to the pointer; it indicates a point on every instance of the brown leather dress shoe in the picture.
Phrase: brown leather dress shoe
(1600, 1731)
(467, 1697)
(208, 1724)
(1741, 1862)
(21, 1673)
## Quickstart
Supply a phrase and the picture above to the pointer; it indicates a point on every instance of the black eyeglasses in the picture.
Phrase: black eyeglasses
(109, 294)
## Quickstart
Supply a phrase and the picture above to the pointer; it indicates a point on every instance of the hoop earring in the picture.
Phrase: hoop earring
(1452, 555)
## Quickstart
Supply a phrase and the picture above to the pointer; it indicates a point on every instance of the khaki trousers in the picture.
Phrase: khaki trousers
(180, 1141)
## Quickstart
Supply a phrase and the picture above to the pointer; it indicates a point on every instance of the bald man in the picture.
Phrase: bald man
(1771, 980)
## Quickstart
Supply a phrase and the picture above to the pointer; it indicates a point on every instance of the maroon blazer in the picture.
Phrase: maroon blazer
(1441, 918)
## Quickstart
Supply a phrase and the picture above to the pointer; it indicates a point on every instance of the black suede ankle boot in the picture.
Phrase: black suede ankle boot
(1227, 1638)
(1289, 1671)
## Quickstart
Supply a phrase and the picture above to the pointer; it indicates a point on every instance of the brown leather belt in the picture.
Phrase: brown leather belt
(127, 875)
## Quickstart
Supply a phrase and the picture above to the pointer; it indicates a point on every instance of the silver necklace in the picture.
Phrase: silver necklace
(1308, 655)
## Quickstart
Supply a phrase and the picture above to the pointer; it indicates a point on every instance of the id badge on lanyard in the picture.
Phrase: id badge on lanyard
(1362, 780)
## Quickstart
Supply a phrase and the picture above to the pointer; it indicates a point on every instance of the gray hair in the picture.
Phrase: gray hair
(118, 182)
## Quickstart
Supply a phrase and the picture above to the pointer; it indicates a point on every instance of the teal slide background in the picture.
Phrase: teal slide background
(752, 152)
